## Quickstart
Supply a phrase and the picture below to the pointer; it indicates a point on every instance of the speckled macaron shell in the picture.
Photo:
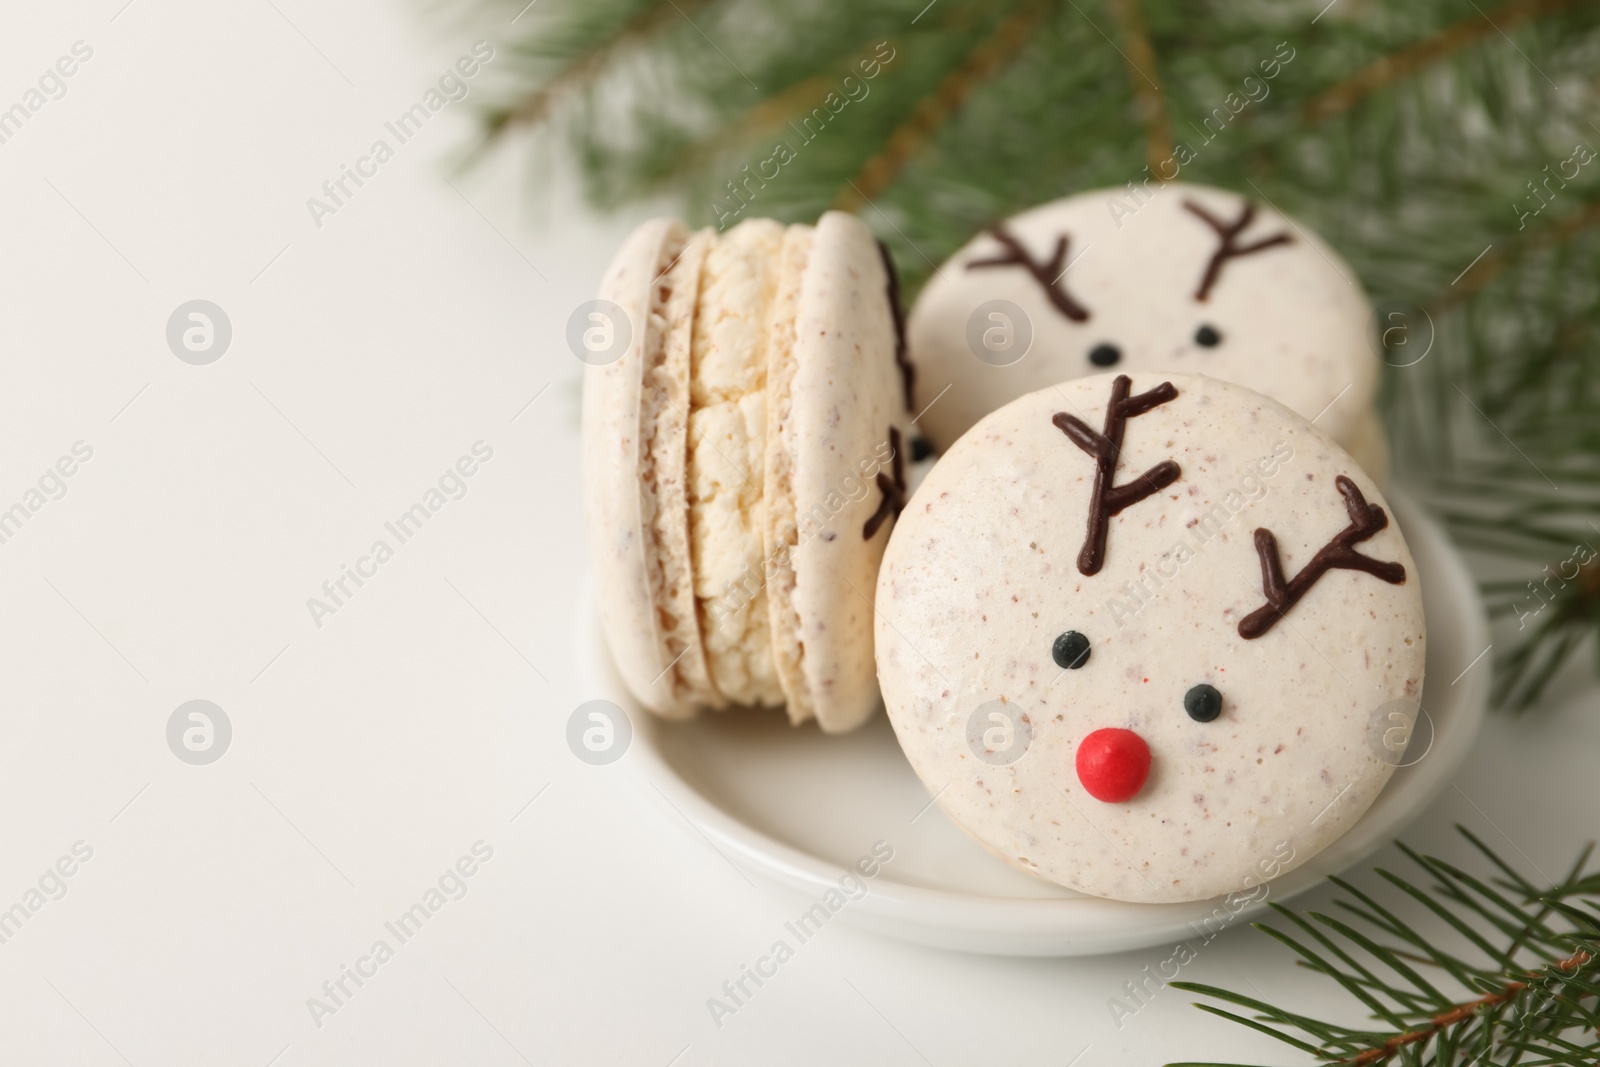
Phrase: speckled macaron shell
(634, 451)
(982, 575)
(846, 411)
(1290, 319)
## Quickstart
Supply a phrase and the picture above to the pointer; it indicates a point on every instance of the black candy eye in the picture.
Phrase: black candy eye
(1104, 355)
(1207, 336)
(1071, 650)
(1203, 703)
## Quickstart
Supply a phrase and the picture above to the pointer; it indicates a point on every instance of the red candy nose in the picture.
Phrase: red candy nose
(1113, 764)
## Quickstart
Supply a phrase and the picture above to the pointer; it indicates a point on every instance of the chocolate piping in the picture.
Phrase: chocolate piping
(1047, 274)
(1338, 554)
(1109, 498)
(1227, 250)
(908, 373)
(893, 500)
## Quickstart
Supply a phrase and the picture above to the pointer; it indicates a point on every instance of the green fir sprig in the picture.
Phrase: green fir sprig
(1519, 982)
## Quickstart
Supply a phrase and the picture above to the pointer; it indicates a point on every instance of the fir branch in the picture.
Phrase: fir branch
(1574, 612)
(765, 116)
(1535, 997)
(987, 56)
(1398, 66)
(1485, 271)
(588, 62)
(1144, 75)
(1465, 1011)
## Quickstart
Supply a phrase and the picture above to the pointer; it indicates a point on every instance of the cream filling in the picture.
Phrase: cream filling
(727, 447)
(664, 410)
(782, 532)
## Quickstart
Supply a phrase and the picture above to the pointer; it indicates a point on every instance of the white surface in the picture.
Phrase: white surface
(764, 797)
(408, 726)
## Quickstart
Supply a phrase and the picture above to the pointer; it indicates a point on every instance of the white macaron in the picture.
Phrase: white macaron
(743, 463)
(1150, 637)
(1169, 279)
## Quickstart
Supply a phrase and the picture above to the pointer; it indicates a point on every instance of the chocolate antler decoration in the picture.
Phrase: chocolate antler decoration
(1046, 274)
(1338, 554)
(893, 500)
(1227, 250)
(1110, 498)
(897, 311)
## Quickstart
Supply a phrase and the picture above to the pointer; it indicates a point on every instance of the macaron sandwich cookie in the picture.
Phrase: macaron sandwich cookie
(1169, 278)
(743, 465)
(1142, 635)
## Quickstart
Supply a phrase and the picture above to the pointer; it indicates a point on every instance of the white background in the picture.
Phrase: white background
(370, 753)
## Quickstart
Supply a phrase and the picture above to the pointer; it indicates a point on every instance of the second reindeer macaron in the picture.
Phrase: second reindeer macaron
(1171, 278)
(743, 462)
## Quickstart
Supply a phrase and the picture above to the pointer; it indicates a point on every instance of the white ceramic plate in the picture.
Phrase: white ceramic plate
(797, 809)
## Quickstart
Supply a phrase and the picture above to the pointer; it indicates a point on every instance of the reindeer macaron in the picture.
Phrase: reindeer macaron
(1142, 635)
(1174, 278)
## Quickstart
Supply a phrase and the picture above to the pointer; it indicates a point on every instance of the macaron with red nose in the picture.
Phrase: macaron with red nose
(1143, 635)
